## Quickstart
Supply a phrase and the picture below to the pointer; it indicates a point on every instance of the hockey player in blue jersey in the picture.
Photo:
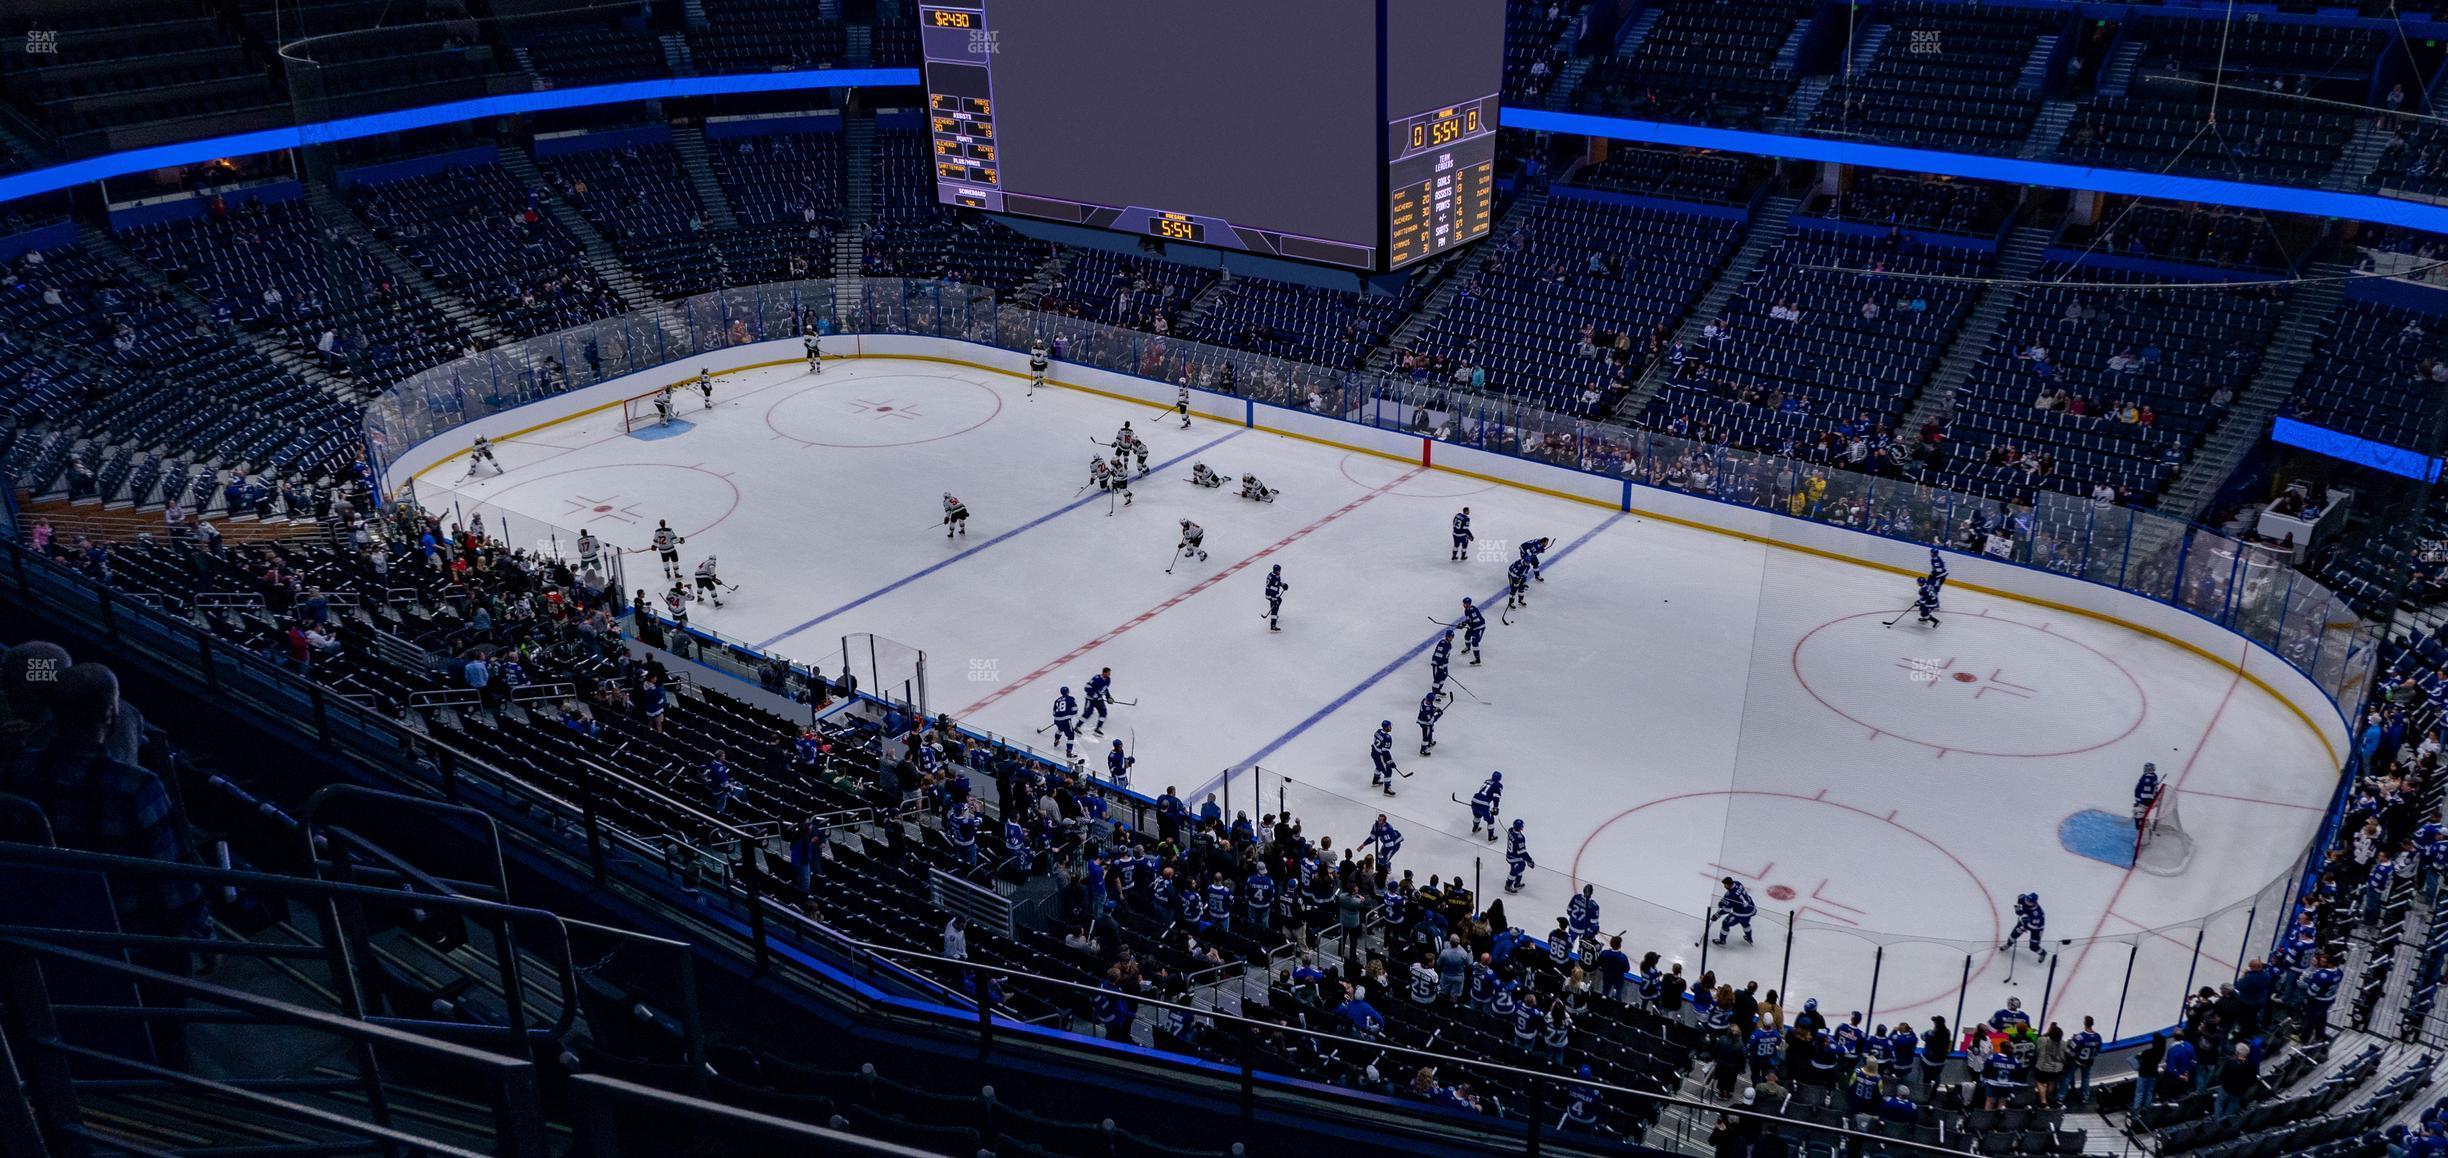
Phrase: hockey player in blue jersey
(1474, 628)
(1486, 804)
(1066, 721)
(1381, 757)
(1387, 838)
(1099, 690)
(2010, 1017)
(1517, 857)
(1531, 550)
(1118, 765)
(2030, 919)
(1925, 604)
(2146, 795)
(1517, 583)
(1937, 577)
(1734, 909)
(1461, 535)
(1429, 712)
(1581, 914)
(1275, 588)
(1440, 662)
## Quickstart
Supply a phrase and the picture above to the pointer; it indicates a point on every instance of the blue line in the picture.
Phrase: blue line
(1023, 528)
(1398, 664)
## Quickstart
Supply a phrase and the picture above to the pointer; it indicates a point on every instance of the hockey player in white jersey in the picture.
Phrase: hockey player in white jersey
(1037, 364)
(1517, 857)
(815, 351)
(955, 516)
(705, 388)
(480, 454)
(663, 405)
(590, 551)
(1251, 488)
(667, 548)
(709, 584)
(1202, 476)
(1193, 536)
(1181, 405)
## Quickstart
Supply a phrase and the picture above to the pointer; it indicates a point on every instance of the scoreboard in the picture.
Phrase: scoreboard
(1357, 133)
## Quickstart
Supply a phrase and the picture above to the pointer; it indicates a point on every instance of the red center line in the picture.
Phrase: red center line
(2110, 908)
(1075, 653)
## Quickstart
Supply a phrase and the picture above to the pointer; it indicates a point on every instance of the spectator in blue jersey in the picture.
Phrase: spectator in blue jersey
(2082, 1052)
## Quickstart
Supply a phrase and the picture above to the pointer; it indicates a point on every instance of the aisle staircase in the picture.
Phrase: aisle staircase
(2361, 155)
(2282, 364)
(1433, 307)
(2116, 79)
(2048, 128)
(2017, 259)
(689, 140)
(331, 213)
(1766, 228)
(600, 254)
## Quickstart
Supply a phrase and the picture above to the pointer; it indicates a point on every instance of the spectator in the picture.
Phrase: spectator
(2235, 1084)
(2146, 1070)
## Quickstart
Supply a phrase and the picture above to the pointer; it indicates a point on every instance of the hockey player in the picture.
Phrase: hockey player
(2030, 919)
(1037, 363)
(667, 547)
(2146, 796)
(815, 351)
(481, 454)
(1517, 583)
(1937, 576)
(709, 584)
(705, 388)
(1581, 914)
(1388, 840)
(1191, 536)
(1530, 553)
(1181, 404)
(1429, 711)
(590, 550)
(1139, 453)
(1275, 588)
(1066, 721)
(956, 516)
(1925, 604)
(1440, 662)
(1474, 628)
(675, 601)
(1118, 765)
(1381, 757)
(1517, 857)
(663, 406)
(1117, 478)
(1487, 804)
(1251, 488)
(1461, 535)
(1734, 908)
(1100, 476)
(1099, 690)
(1200, 476)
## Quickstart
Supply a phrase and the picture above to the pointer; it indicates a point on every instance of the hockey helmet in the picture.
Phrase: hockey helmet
(1066, 690)
(1466, 601)
(1117, 743)
(1495, 775)
(709, 560)
(1385, 723)
(2149, 767)
(1726, 881)
(1185, 522)
(1811, 1003)
(1517, 824)
(1275, 570)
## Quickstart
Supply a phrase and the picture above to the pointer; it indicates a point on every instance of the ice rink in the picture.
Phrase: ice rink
(1676, 705)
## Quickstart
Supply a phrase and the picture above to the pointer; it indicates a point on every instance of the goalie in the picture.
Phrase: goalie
(2146, 797)
(1251, 488)
(1201, 476)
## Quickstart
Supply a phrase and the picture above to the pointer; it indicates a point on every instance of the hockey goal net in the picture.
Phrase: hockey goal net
(639, 412)
(2161, 844)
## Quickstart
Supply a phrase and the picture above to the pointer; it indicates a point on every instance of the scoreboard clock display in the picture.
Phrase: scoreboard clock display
(1371, 143)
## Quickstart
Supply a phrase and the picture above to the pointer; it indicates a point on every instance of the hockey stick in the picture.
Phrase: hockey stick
(1443, 624)
(1177, 554)
(1124, 703)
(1505, 616)
(1899, 618)
(1466, 691)
(1106, 445)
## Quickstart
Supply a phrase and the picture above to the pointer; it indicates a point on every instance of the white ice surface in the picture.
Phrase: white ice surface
(1675, 705)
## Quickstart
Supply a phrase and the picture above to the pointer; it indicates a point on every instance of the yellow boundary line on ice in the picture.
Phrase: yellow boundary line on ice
(2037, 601)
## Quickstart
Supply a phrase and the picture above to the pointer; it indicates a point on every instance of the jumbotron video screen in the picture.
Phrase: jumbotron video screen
(1358, 133)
